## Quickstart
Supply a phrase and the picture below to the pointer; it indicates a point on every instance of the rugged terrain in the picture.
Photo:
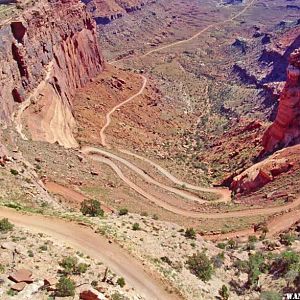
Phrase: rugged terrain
(169, 136)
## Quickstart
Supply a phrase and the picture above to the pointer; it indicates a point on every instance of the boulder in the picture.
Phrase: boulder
(21, 275)
(18, 286)
(86, 292)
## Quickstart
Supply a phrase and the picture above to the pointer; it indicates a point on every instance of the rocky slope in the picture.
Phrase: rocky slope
(104, 11)
(47, 65)
(285, 130)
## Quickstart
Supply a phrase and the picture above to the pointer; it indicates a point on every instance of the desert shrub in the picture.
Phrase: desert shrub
(121, 282)
(91, 208)
(200, 265)
(221, 245)
(252, 239)
(190, 233)
(65, 287)
(14, 172)
(136, 226)
(5, 225)
(232, 244)
(241, 265)
(11, 293)
(118, 296)
(270, 295)
(81, 268)
(287, 239)
(71, 266)
(287, 261)
(256, 267)
(224, 292)
(123, 211)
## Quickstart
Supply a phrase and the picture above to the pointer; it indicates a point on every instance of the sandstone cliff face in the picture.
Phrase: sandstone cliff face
(286, 128)
(47, 53)
(104, 11)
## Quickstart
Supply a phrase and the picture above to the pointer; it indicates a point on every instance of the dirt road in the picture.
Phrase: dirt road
(249, 5)
(93, 154)
(96, 246)
(108, 115)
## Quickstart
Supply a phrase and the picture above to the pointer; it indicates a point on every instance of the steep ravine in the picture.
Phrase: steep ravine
(46, 53)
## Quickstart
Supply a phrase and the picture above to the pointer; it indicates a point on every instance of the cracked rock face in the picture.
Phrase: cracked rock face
(285, 131)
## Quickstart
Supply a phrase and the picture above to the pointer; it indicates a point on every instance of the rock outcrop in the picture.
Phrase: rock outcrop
(285, 130)
(46, 53)
(105, 11)
(260, 174)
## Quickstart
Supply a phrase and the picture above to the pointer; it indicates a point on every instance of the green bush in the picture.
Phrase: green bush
(190, 233)
(256, 267)
(221, 245)
(71, 266)
(224, 292)
(121, 282)
(287, 261)
(136, 226)
(81, 268)
(123, 212)
(91, 208)
(200, 265)
(65, 287)
(241, 265)
(5, 225)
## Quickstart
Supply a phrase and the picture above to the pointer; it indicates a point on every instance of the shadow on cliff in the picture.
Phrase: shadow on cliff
(280, 62)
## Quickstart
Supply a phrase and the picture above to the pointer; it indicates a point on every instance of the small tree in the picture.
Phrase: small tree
(190, 233)
(224, 292)
(200, 265)
(5, 225)
(91, 208)
(65, 287)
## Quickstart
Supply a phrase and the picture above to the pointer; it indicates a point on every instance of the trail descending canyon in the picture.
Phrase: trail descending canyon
(97, 246)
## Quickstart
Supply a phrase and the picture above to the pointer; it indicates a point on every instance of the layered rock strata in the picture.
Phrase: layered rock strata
(46, 53)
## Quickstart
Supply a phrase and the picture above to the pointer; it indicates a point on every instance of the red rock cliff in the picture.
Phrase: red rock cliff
(48, 51)
(286, 128)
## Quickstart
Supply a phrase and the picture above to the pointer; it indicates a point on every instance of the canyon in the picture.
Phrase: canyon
(175, 117)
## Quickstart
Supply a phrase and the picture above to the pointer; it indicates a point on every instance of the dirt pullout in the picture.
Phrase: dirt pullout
(96, 246)
(69, 194)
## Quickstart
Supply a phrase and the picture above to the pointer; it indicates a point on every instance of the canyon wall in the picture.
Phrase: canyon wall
(104, 11)
(285, 130)
(46, 53)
